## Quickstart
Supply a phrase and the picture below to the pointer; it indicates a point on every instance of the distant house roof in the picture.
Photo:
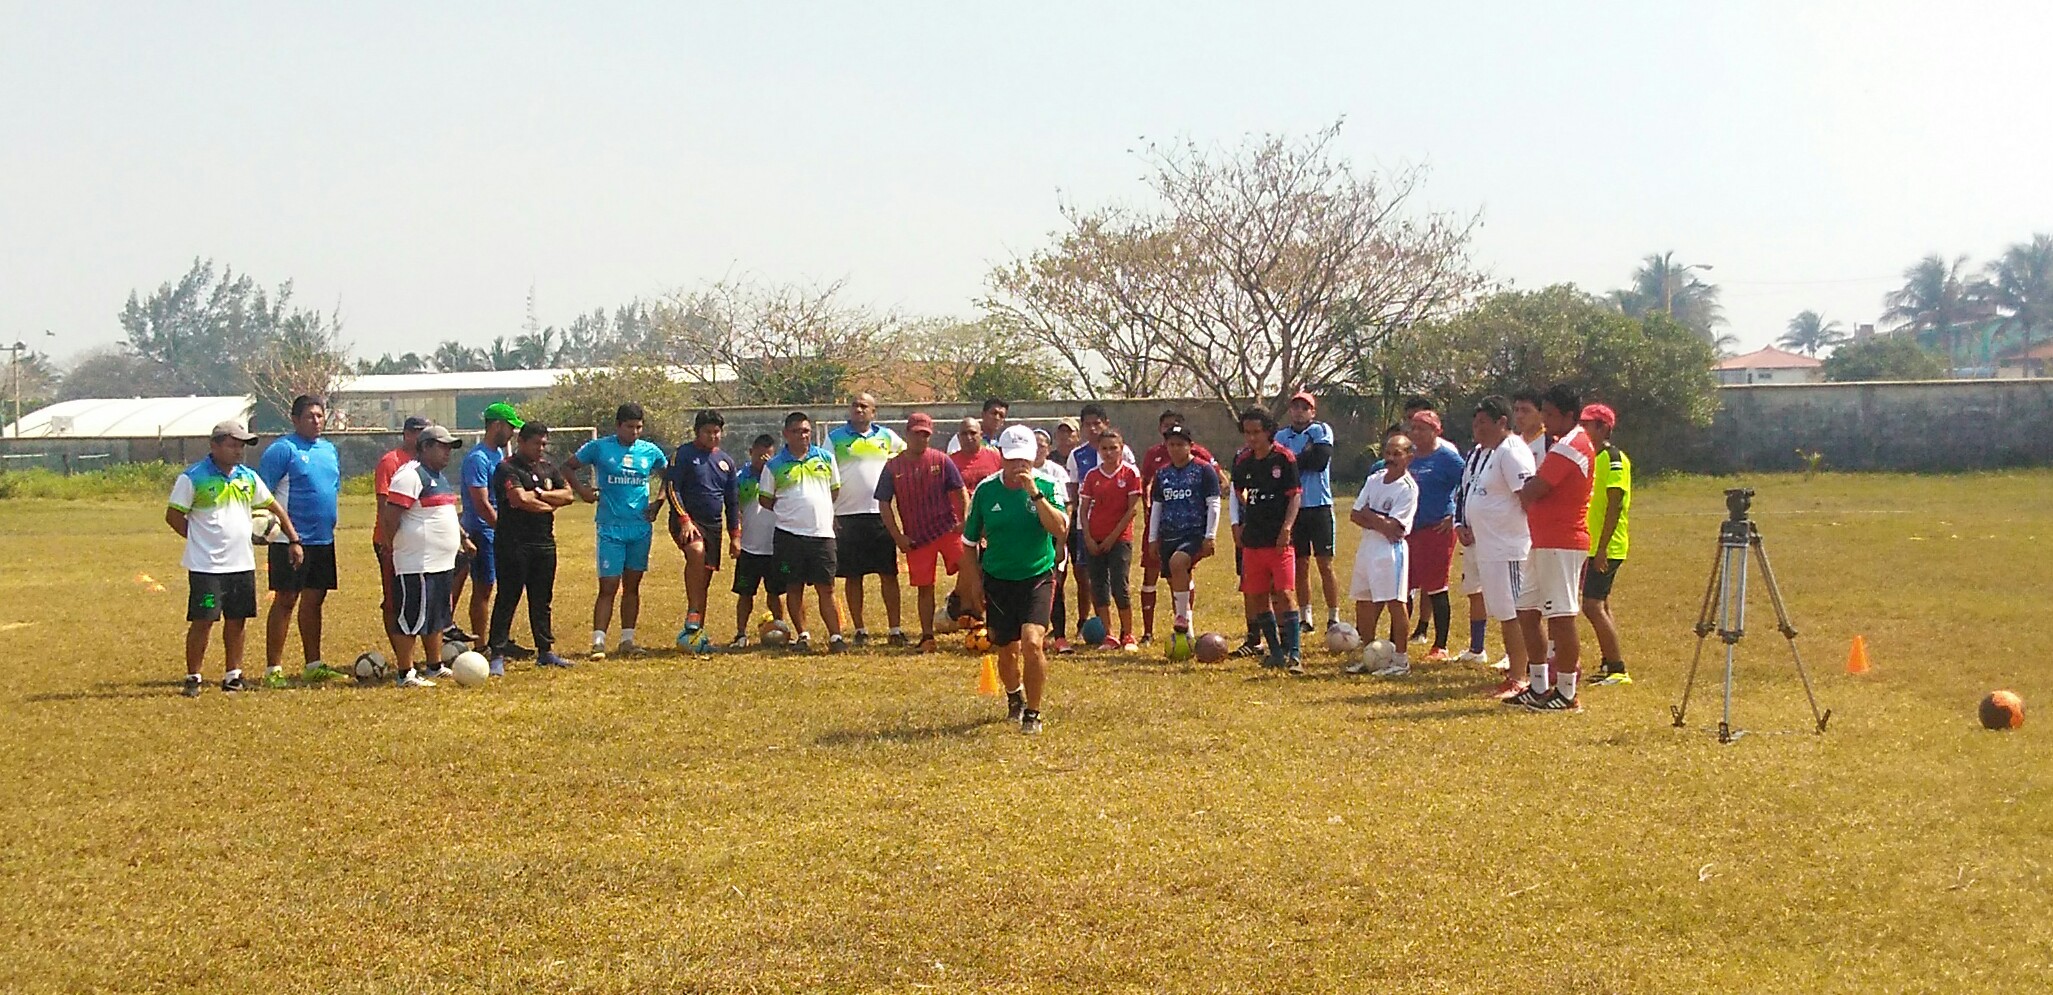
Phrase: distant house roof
(1769, 358)
(132, 417)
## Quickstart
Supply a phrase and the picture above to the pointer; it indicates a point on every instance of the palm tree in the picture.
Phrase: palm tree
(455, 357)
(2020, 288)
(1937, 301)
(537, 350)
(1809, 332)
(1659, 285)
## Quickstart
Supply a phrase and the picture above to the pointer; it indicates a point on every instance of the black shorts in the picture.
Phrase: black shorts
(862, 546)
(213, 597)
(1010, 604)
(709, 533)
(1109, 571)
(1313, 535)
(1597, 584)
(753, 571)
(807, 560)
(316, 570)
(1172, 545)
(424, 601)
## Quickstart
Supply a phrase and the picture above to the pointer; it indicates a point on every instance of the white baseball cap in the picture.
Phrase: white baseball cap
(1018, 442)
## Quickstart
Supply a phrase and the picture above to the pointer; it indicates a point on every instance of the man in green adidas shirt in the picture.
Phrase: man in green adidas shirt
(1015, 519)
(1610, 500)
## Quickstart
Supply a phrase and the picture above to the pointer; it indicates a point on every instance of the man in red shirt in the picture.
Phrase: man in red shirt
(1111, 497)
(974, 460)
(1152, 463)
(1557, 506)
(921, 498)
(381, 485)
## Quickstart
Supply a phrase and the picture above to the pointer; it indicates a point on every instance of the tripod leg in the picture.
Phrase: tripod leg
(1733, 629)
(1704, 628)
(1788, 630)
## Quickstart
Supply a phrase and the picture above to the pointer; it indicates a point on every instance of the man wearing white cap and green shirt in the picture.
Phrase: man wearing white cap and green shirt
(1015, 519)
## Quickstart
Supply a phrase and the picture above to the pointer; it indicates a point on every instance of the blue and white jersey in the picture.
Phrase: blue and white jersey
(1185, 498)
(1317, 484)
(622, 474)
(304, 475)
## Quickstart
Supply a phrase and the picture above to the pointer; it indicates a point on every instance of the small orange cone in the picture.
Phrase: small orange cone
(987, 677)
(1857, 658)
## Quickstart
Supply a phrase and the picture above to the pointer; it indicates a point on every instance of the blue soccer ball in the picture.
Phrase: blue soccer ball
(1092, 631)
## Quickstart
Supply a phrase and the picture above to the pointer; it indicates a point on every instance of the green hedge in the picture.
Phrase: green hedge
(122, 480)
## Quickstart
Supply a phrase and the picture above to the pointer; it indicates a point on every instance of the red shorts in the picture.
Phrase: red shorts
(1268, 570)
(923, 563)
(1432, 558)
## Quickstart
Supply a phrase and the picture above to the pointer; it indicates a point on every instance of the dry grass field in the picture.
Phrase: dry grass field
(761, 822)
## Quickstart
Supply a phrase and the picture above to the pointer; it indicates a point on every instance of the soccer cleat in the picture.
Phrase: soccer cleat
(1015, 706)
(193, 686)
(928, 645)
(1438, 655)
(896, 639)
(515, 651)
(740, 642)
(1503, 663)
(862, 638)
(629, 649)
(1250, 648)
(1295, 666)
(803, 644)
(1110, 645)
(1359, 666)
(1128, 645)
(1147, 639)
(275, 678)
(232, 684)
(497, 667)
(412, 680)
(1472, 656)
(1030, 723)
(1554, 702)
(1182, 625)
(1401, 668)
(1613, 679)
(1508, 689)
(1304, 625)
(1419, 638)
(454, 634)
(598, 652)
(317, 671)
(1275, 661)
(836, 644)
(442, 672)
(1062, 645)
(550, 658)
(1525, 697)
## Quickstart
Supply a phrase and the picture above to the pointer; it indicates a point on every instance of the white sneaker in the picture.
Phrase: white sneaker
(413, 680)
(1357, 667)
(1503, 663)
(1471, 656)
(442, 671)
(1421, 639)
(1401, 668)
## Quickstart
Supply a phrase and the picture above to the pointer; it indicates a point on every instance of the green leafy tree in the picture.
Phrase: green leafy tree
(1884, 357)
(1809, 332)
(116, 372)
(222, 334)
(1939, 303)
(1660, 286)
(587, 398)
(455, 357)
(2020, 289)
(31, 381)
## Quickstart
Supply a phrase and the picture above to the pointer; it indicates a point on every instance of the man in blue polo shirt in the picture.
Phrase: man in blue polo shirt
(480, 520)
(701, 492)
(622, 465)
(1311, 441)
(304, 474)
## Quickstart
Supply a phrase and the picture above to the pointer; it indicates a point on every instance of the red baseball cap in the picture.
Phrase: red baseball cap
(1427, 418)
(1305, 396)
(1601, 414)
(920, 421)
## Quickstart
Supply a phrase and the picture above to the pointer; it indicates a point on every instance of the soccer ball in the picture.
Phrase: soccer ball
(1180, 647)
(1342, 638)
(471, 669)
(2002, 710)
(1211, 648)
(944, 623)
(1380, 653)
(775, 632)
(262, 525)
(453, 648)
(978, 640)
(371, 666)
(1092, 631)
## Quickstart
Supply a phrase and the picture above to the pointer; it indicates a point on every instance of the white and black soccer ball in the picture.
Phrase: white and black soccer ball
(262, 526)
(471, 669)
(371, 666)
(453, 648)
(1379, 653)
(1341, 638)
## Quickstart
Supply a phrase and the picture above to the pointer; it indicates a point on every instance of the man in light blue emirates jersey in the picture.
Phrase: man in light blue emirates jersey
(623, 466)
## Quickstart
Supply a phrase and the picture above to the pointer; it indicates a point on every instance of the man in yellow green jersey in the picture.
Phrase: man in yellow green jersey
(1610, 501)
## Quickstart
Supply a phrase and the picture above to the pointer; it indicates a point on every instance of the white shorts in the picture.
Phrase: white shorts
(1552, 583)
(1471, 573)
(1497, 582)
(1382, 570)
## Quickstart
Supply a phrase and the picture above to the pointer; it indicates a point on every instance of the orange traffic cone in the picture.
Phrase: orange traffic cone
(1857, 658)
(987, 677)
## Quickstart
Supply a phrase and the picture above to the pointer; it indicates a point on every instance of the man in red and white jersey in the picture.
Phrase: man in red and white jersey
(1557, 504)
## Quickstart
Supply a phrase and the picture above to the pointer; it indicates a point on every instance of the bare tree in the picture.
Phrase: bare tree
(1073, 300)
(304, 355)
(773, 343)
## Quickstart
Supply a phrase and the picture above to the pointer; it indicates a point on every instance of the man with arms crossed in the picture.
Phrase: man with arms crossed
(922, 503)
(304, 474)
(210, 509)
(862, 546)
(530, 489)
(1493, 528)
(799, 484)
(1015, 520)
(1557, 503)
(623, 464)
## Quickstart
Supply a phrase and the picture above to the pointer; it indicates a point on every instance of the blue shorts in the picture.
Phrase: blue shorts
(484, 564)
(619, 554)
(1172, 545)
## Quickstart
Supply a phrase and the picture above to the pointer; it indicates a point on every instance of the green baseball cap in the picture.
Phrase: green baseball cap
(503, 411)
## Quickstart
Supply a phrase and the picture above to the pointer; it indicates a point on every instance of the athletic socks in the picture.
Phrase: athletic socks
(627, 635)
(598, 639)
(1180, 601)
(1537, 678)
(233, 674)
(1477, 629)
(1287, 626)
(1564, 683)
(1332, 616)
(1265, 623)
(1442, 613)
(1148, 609)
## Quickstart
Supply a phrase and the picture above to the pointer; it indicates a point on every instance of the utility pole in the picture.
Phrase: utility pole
(14, 366)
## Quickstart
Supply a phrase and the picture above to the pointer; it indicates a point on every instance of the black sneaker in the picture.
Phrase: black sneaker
(1304, 625)
(839, 645)
(862, 638)
(1251, 648)
(803, 644)
(1295, 665)
(515, 651)
(456, 634)
(1527, 698)
(897, 640)
(193, 685)
(1030, 722)
(1554, 702)
(1015, 706)
(232, 684)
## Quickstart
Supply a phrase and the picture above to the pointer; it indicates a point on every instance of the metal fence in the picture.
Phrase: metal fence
(357, 449)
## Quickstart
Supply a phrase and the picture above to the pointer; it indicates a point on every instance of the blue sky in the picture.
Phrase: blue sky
(423, 165)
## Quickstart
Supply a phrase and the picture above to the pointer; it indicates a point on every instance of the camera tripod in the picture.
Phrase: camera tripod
(1724, 610)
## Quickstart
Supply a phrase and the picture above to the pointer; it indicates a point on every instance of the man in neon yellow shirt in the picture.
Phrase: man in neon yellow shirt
(1610, 501)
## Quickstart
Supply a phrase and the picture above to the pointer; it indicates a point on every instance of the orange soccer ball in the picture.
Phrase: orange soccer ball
(978, 640)
(2002, 710)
